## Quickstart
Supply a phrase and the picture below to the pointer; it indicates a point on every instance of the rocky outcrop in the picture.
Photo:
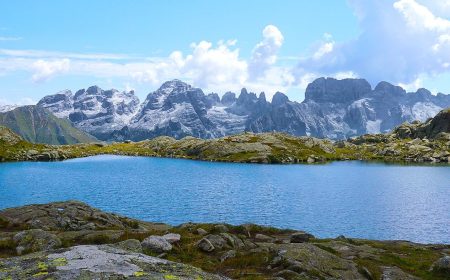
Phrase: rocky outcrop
(9, 138)
(336, 109)
(185, 252)
(34, 240)
(69, 215)
(436, 127)
(97, 262)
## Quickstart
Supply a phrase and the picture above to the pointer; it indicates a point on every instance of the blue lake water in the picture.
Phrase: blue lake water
(356, 199)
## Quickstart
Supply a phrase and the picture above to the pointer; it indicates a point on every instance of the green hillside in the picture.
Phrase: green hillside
(37, 125)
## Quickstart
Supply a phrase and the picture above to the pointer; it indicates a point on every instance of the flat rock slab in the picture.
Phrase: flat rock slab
(97, 262)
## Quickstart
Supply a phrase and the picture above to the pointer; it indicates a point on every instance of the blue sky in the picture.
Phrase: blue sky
(47, 46)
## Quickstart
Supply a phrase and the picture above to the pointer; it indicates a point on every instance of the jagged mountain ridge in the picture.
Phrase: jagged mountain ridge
(96, 111)
(332, 108)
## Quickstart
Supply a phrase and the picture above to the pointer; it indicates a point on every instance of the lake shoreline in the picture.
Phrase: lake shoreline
(63, 228)
(266, 148)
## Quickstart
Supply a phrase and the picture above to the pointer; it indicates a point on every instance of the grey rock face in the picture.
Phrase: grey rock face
(325, 90)
(335, 109)
(97, 262)
(96, 111)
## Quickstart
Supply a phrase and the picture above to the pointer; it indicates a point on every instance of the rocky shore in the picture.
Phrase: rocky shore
(398, 146)
(71, 240)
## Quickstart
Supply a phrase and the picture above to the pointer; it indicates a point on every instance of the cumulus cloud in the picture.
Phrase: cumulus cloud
(265, 52)
(400, 41)
(44, 70)
(208, 65)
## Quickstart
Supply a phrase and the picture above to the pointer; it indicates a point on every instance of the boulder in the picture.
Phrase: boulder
(442, 265)
(263, 238)
(221, 228)
(201, 231)
(233, 240)
(211, 242)
(301, 237)
(156, 244)
(172, 237)
(34, 240)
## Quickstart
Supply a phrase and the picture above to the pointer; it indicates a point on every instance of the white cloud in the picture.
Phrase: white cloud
(420, 17)
(213, 67)
(44, 70)
(209, 66)
(413, 86)
(400, 41)
(437, 7)
(265, 52)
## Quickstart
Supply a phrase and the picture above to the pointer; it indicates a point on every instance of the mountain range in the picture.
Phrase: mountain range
(38, 125)
(335, 109)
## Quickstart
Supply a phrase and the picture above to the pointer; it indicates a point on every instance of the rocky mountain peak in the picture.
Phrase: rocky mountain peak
(279, 99)
(389, 89)
(93, 90)
(325, 90)
(246, 98)
(262, 97)
(174, 86)
(228, 98)
(423, 91)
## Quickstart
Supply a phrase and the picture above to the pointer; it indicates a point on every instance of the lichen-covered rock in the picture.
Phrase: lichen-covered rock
(96, 262)
(157, 244)
(34, 240)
